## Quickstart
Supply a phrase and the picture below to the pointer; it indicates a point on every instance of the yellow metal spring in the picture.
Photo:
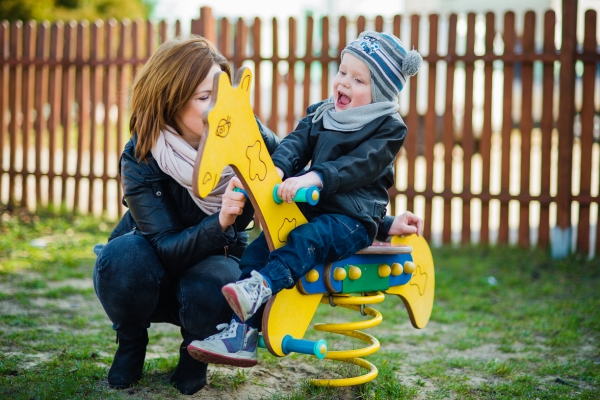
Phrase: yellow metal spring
(356, 303)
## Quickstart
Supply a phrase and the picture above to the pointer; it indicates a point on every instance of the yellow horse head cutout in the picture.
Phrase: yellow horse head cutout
(231, 137)
(227, 121)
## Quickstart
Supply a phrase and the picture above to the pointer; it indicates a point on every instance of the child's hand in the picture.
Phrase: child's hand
(287, 190)
(232, 204)
(406, 224)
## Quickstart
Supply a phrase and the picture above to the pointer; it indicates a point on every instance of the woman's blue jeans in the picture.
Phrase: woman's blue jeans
(135, 290)
(326, 238)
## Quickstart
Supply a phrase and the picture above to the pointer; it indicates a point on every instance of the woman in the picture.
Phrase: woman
(170, 254)
(168, 257)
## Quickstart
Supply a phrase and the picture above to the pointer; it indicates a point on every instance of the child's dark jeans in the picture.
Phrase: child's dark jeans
(326, 238)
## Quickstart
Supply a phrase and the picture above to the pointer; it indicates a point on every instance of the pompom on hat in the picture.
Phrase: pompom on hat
(388, 60)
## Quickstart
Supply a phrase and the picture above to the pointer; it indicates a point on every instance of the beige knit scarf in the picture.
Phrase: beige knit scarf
(176, 158)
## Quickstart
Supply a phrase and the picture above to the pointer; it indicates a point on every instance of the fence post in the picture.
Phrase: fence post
(205, 25)
(561, 235)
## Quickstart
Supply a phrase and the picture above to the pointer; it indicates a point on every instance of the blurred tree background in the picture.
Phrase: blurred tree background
(66, 10)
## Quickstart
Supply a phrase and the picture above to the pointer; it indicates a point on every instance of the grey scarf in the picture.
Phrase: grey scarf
(354, 118)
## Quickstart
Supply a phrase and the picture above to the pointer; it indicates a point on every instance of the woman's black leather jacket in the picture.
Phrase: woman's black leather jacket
(162, 211)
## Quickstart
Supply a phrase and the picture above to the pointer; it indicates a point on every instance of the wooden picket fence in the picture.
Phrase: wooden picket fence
(503, 125)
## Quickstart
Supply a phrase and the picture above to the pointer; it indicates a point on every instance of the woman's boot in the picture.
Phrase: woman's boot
(190, 375)
(128, 363)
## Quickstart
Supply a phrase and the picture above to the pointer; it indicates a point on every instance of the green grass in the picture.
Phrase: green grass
(507, 323)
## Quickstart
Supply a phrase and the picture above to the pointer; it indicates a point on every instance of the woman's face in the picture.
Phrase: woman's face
(189, 118)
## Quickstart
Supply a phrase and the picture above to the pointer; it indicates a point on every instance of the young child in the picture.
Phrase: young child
(351, 141)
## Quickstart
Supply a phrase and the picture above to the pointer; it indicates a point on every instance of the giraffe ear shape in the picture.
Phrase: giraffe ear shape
(243, 79)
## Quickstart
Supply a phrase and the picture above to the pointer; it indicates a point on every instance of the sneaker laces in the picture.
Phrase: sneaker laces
(227, 331)
(255, 288)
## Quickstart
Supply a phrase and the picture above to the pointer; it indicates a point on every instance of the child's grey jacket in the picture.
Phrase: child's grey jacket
(356, 167)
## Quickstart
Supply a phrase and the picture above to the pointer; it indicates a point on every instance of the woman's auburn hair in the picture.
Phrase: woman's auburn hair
(166, 83)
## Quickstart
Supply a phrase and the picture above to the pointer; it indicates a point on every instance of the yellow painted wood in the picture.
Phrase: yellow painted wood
(312, 276)
(339, 274)
(354, 272)
(397, 269)
(289, 312)
(231, 137)
(384, 271)
(409, 267)
(417, 295)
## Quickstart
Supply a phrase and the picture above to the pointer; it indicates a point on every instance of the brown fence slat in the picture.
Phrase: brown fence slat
(507, 122)
(412, 119)
(379, 23)
(163, 36)
(526, 125)
(224, 42)
(150, 39)
(566, 115)
(448, 132)
(307, 64)
(468, 142)
(342, 29)
(256, 57)
(54, 85)
(124, 33)
(14, 98)
(396, 24)
(135, 47)
(587, 132)
(95, 91)
(40, 99)
(108, 99)
(547, 126)
(66, 117)
(361, 23)
(430, 121)
(241, 41)
(291, 79)
(27, 107)
(275, 78)
(82, 98)
(485, 141)
(325, 58)
(4, 46)
(178, 28)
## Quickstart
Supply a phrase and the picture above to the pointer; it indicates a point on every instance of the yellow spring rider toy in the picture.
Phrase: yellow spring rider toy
(403, 267)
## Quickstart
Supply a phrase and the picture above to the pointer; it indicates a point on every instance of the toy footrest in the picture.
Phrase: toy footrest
(385, 248)
(366, 271)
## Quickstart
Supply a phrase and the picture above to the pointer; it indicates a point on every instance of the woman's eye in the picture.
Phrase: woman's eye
(204, 97)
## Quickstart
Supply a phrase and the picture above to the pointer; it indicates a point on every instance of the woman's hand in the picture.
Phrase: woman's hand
(405, 224)
(232, 204)
(287, 190)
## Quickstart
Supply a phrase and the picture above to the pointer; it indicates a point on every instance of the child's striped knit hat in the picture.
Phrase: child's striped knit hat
(389, 62)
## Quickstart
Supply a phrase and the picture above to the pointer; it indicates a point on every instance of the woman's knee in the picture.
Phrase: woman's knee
(127, 264)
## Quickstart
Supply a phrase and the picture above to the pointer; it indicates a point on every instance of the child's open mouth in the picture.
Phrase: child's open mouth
(342, 99)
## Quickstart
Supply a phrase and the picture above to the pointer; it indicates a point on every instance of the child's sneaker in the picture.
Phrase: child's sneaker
(234, 345)
(246, 296)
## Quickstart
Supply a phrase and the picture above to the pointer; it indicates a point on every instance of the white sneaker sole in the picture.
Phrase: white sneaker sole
(217, 358)
(234, 302)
